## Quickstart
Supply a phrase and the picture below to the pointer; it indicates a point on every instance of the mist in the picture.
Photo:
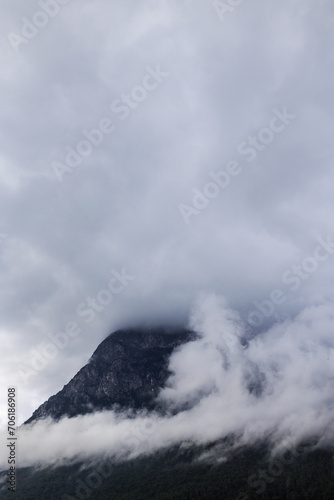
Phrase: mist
(191, 149)
(276, 386)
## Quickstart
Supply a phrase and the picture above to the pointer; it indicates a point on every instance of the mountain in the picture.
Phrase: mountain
(126, 370)
(179, 474)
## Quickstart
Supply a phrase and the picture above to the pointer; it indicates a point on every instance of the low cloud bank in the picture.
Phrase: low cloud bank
(278, 385)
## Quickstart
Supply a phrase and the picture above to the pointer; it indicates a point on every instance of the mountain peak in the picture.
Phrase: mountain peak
(127, 370)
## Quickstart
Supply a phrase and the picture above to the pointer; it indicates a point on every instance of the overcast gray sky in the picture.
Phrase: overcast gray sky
(212, 171)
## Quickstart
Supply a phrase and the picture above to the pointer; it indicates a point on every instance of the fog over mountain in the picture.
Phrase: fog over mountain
(169, 163)
(278, 388)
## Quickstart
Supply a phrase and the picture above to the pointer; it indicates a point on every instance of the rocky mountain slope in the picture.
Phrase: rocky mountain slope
(126, 370)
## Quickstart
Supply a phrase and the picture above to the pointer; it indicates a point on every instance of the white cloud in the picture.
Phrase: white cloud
(279, 387)
(120, 207)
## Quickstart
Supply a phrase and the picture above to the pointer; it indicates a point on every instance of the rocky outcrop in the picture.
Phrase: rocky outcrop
(127, 370)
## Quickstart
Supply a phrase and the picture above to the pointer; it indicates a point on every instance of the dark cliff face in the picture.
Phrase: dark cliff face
(127, 370)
